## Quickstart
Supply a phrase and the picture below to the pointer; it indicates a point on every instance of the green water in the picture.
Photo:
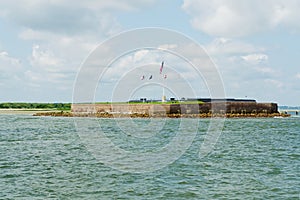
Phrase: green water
(45, 158)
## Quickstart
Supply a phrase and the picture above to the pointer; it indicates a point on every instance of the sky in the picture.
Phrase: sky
(253, 44)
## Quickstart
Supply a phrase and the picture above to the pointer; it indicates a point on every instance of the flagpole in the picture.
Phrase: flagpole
(163, 86)
(163, 99)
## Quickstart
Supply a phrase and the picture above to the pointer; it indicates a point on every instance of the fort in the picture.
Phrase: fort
(184, 108)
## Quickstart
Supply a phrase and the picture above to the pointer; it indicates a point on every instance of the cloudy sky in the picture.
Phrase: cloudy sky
(254, 44)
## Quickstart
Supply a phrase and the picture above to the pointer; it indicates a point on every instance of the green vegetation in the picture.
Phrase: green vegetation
(54, 106)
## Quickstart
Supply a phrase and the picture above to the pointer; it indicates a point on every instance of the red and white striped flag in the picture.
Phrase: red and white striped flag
(161, 67)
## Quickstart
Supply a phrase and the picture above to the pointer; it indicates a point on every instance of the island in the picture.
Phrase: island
(189, 108)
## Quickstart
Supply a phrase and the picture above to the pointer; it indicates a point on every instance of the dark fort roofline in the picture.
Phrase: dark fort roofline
(204, 100)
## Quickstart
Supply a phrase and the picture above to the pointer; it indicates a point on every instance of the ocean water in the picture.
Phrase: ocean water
(46, 158)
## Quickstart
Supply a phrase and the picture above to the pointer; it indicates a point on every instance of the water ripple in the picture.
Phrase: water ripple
(43, 158)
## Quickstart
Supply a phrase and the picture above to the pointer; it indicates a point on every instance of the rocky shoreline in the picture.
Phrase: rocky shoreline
(139, 115)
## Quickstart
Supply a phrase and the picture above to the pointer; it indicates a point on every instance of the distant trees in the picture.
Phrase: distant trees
(56, 106)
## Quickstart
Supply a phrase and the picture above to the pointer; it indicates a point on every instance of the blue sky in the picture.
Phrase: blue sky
(254, 44)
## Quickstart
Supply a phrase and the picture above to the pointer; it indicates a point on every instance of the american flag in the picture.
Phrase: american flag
(161, 67)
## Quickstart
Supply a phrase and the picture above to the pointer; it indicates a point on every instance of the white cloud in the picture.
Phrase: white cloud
(11, 70)
(44, 59)
(255, 58)
(168, 46)
(66, 16)
(67, 28)
(298, 75)
(7, 62)
(233, 54)
(239, 18)
(225, 46)
(10, 67)
(64, 33)
(46, 68)
(267, 70)
(140, 55)
(273, 82)
(172, 57)
(127, 70)
(243, 66)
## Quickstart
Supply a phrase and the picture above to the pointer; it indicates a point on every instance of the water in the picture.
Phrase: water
(44, 158)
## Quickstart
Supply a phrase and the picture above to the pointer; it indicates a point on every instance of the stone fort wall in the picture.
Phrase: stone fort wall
(219, 107)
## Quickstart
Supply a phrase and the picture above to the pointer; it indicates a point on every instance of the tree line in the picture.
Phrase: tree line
(57, 106)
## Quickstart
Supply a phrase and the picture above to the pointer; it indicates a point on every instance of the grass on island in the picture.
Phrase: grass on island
(155, 102)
